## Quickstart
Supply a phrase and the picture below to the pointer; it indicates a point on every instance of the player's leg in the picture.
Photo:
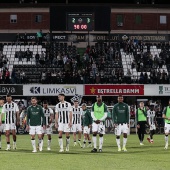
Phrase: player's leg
(0, 138)
(14, 138)
(152, 132)
(49, 142)
(49, 132)
(118, 133)
(32, 134)
(67, 132)
(94, 130)
(60, 139)
(166, 129)
(38, 131)
(73, 130)
(7, 135)
(78, 128)
(142, 131)
(125, 131)
(101, 133)
(85, 139)
(89, 139)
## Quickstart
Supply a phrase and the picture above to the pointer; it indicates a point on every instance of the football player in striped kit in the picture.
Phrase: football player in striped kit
(77, 116)
(151, 121)
(49, 117)
(3, 119)
(11, 112)
(63, 121)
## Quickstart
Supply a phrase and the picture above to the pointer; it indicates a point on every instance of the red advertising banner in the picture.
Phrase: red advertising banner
(107, 90)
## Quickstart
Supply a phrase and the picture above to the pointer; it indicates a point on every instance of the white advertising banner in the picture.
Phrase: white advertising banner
(52, 89)
(157, 90)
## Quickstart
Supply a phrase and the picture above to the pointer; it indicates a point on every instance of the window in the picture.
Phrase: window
(38, 18)
(119, 20)
(163, 19)
(13, 18)
(138, 19)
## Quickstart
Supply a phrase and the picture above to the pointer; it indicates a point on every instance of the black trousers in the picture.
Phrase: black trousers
(141, 130)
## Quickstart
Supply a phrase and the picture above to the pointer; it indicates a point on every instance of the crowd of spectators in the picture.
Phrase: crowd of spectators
(145, 61)
(99, 64)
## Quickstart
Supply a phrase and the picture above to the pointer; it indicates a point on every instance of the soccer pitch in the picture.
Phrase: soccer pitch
(147, 157)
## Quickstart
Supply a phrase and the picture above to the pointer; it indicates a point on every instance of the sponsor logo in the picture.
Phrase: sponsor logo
(53, 90)
(35, 90)
(160, 89)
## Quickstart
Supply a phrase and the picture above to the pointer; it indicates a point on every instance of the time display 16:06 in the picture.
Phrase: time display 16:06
(80, 21)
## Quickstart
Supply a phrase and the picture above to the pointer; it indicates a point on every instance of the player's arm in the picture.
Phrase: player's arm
(105, 113)
(92, 113)
(2, 114)
(127, 114)
(114, 115)
(28, 118)
(56, 116)
(43, 117)
(17, 115)
(70, 115)
(164, 114)
(51, 116)
(148, 118)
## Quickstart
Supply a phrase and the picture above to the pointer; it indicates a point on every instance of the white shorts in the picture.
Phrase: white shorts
(121, 128)
(11, 126)
(99, 128)
(63, 127)
(76, 127)
(35, 130)
(167, 128)
(2, 127)
(86, 130)
(152, 127)
(47, 131)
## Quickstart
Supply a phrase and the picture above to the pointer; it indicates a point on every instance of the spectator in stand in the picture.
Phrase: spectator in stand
(42, 58)
(37, 57)
(43, 77)
(7, 76)
(39, 37)
(20, 55)
(1, 82)
(25, 38)
(28, 54)
(18, 38)
(5, 60)
(94, 69)
(22, 77)
(13, 76)
(47, 37)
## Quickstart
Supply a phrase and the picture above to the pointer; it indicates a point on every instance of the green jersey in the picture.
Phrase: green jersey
(99, 111)
(141, 115)
(167, 113)
(87, 119)
(3, 118)
(120, 113)
(35, 115)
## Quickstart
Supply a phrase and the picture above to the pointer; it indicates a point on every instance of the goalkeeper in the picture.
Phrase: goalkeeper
(98, 114)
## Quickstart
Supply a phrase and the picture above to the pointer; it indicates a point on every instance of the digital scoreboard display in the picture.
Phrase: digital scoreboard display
(80, 21)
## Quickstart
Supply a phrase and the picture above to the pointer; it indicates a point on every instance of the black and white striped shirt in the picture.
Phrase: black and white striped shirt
(151, 117)
(63, 110)
(10, 109)
(77, 113)
(47, 115)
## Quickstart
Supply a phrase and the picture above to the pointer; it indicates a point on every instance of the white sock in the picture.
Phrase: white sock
(100, 142)
(84, 141)
(42, 142)
(118, 142)
(67, 142)
(33, 144)
(124, 142)
(60, 140)
(94, 142)
(166, 139)
(8, 146)
(49, 143)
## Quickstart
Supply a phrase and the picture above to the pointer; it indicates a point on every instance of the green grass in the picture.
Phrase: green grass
(147, 157)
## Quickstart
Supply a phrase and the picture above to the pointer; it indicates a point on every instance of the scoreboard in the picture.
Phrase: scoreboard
(80, 21)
